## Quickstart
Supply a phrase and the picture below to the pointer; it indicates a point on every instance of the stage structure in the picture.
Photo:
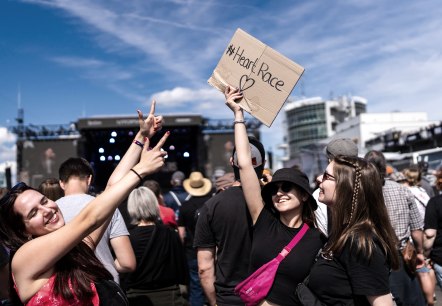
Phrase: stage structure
(195, 144)
(41, 150)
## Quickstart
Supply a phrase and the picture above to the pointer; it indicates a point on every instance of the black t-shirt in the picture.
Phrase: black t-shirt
(224, 222)
(270, 236)
(348, 278)
(188, 216)
(161, 261)
(433, 220)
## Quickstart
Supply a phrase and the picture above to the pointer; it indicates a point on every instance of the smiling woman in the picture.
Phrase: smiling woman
(66, 271)
(278, 213)
(361, 250)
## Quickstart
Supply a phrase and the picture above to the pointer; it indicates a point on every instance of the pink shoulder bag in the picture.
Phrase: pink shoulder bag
(255, 288)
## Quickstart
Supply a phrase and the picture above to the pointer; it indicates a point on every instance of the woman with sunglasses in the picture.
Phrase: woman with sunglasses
(278, 213)
(53, 263)
(354, 265)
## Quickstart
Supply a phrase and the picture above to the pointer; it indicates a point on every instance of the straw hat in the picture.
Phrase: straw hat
(197, 185)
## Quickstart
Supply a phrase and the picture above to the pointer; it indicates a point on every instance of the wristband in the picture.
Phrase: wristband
(139, 176)
(138, 143)
(239, 121)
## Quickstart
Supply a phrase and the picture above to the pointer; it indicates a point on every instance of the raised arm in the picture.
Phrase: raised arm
(249, 180)
(52, 246)
(148, 128)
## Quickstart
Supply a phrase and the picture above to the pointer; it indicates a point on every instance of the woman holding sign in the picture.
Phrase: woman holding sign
(284, 208)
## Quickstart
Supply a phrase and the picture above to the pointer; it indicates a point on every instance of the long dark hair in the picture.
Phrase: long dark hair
(74, 272)
(359, 214)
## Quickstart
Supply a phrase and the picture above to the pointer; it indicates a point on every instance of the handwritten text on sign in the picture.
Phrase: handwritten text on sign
(263, 71)
(265, 76)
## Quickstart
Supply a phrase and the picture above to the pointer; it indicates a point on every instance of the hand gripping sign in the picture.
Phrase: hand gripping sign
(265, 76)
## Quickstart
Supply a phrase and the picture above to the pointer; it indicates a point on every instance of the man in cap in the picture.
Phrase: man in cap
(336, 147)
(176, 196)
(223, 236)
(406, 221)
(200, 189)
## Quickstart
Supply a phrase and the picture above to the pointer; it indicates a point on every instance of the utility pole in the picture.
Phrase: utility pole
(20, 130)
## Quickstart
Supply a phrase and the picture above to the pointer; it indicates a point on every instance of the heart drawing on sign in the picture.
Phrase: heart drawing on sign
(245, 82)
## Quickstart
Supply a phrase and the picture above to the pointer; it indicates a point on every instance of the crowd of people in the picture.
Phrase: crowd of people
(193, 243)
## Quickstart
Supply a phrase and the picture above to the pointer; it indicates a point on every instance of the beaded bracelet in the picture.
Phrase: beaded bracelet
(138, 143)
(139, 176)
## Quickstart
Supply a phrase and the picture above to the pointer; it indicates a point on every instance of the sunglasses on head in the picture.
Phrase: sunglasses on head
(284, 186)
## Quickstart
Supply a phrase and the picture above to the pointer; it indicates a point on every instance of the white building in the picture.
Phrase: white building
(308, 121)
(312, 123)
(370, 125)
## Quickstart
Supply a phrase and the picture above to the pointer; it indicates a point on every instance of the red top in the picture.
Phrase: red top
(168, 216)
(44, 296)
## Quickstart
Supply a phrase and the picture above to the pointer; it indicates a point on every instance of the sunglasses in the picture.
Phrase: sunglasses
(327, 176)
(284, 186)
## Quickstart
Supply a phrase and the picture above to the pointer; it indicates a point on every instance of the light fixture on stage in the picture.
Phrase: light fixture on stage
(186, 154)
(112, 140)
(100, 150)
(102, 158)
(117, 157)
(114, 134)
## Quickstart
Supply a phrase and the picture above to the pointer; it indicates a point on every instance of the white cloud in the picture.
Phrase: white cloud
(179, 95)
(95, 69)
(6, 136)
(7, 146)
(78, 62)
(383, 51)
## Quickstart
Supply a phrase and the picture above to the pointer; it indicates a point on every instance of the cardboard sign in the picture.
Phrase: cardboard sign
(265, 76)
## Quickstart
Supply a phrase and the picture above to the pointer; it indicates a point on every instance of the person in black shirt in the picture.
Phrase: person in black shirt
(223, 237)
(278, 213)
(354, 266)
(161, 262)
(433, 231)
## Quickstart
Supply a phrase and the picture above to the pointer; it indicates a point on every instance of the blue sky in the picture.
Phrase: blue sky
(84, 58)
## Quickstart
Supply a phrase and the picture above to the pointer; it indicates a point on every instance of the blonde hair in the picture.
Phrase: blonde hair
(142, 205)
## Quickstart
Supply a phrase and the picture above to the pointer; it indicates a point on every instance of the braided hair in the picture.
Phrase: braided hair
(359, 214)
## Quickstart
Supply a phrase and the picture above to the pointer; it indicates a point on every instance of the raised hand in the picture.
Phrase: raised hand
(233, 94)
(152, 160)
(151, 124)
